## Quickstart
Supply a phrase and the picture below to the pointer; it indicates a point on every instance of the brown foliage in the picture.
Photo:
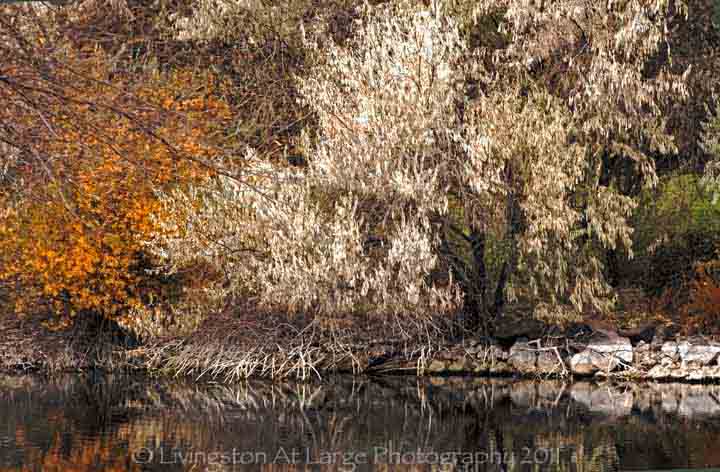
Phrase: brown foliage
(702, 312)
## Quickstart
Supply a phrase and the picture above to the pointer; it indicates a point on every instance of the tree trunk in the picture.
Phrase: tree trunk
(514, 222)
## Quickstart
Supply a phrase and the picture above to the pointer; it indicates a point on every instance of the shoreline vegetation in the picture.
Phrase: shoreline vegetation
(230, 354)
(227, 189)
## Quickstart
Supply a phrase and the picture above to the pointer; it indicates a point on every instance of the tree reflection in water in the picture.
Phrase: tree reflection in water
(120, 423)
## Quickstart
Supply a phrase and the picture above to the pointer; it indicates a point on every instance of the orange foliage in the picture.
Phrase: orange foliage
(75, 237)
(702, 313)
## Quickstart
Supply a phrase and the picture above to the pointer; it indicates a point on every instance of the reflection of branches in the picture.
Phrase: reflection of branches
(344, 414)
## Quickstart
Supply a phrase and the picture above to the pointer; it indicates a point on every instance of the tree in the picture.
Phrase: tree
(529, 133)
(448, 172)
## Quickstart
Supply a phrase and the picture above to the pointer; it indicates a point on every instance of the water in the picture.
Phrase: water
(113, 423)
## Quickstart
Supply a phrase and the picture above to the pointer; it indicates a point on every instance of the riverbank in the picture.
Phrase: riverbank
(26, 346)
(231, 350)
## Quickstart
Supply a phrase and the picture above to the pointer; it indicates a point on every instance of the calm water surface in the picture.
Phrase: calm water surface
(96, 422)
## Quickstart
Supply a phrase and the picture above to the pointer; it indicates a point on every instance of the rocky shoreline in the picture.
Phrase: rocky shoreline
(692, 360)
(682, 360)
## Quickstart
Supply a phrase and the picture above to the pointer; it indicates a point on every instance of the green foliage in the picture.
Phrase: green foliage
(677, 225)
(689, 203)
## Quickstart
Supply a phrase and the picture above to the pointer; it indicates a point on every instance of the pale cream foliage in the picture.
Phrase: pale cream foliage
(223, 20)
(273, 241)
(298, 242)
(605, 48)
(385, 106)
(529, 139)
(523, 160)
(605, 102)
(711, 145)
(248, 22)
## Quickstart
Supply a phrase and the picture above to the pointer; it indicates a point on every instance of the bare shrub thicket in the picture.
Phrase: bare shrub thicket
(450, 166)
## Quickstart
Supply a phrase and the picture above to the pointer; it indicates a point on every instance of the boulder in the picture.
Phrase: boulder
(479, 345)
(488, 352)
(459, 366)
(479, 368)
(645, 354)
(682, 348)
(547, 361)
(699, 373)
(436, 367)
(612, 352)
(713, 372)
(700, 354)
(496, 353)
(523, 358)
(583, 363)
(658, 372)
(669, 350)
(668, 371)
(489, 356)
(602, 354)
(500, 367)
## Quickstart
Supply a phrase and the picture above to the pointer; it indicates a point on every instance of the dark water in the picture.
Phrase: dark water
(82, 423)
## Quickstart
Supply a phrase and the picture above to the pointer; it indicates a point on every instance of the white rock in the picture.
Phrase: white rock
(669, 350)
(583, 363)
(547, 361)
(523, 357)
(611, 353)
(703, 354)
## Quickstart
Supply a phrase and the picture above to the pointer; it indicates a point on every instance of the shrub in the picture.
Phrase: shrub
(73, 233)
(702, 312)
